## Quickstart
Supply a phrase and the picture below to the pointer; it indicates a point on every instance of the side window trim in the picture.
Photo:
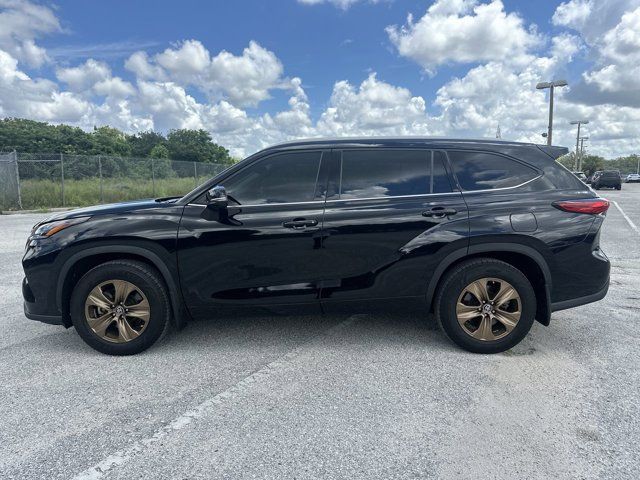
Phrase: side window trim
(490, 152)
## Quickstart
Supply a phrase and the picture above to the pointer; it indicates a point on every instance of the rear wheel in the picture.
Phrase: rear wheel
(120, 307)
(485, 305)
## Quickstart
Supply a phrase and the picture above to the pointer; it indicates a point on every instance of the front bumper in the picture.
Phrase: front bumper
(33, 310)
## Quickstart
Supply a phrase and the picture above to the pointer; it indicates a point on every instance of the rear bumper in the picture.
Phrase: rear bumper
(576, 302)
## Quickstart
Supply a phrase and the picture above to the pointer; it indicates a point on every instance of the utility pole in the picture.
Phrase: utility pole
(578, 159)
(551, 85)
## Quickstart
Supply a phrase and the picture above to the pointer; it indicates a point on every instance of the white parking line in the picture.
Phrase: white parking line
(629, 221)
(123, 456)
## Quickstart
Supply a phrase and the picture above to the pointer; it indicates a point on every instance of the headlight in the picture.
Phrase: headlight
(51, 228)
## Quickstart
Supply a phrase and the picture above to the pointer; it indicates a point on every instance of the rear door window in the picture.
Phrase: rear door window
(487, 171)
(391, 173)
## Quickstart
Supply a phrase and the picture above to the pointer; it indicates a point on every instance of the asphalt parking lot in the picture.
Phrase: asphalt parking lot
(366, 396)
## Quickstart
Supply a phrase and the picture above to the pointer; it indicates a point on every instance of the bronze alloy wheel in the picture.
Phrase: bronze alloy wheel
(117, 311)
(488, 309)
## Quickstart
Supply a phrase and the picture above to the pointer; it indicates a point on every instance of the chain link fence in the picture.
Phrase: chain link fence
(36, 180)
(9, 183)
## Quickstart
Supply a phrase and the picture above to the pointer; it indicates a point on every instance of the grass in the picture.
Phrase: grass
(39, 193)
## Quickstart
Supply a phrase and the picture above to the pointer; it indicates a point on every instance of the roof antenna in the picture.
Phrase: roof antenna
(498, 134)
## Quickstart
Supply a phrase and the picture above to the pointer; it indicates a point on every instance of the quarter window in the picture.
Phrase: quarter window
(486, 171)
(390, 173)
(280, 178)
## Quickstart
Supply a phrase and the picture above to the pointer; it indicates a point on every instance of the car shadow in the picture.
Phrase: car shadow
(359, 329)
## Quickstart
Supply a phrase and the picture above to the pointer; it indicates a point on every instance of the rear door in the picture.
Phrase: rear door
(391, 216)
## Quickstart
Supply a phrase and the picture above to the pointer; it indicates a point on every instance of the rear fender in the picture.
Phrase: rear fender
(543, 310)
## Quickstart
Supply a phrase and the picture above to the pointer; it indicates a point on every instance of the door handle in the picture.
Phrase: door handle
(439, 212)
(300, 223)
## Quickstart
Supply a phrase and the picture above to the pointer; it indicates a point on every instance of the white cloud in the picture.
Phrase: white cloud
(94, 78)
(246, 79)
(573, 14)
(141, 66)
(566, 46)
(169, 105)
(114, 87)
(243, 80)
(464, 31)
(188, 60)
(373, 108)
(22, 96)
(21, 23)
(620, 57)
(85, 76)
(611, 34)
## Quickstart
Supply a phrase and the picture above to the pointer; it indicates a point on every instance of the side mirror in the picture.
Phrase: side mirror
(217, 196)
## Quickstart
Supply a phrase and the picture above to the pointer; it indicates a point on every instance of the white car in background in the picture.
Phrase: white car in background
(632, 177)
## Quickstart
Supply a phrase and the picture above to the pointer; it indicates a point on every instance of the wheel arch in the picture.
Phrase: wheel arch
(81, 262)
(523, 257)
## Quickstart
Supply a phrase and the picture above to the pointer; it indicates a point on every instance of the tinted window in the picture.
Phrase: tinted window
(484, 171)
(441, 183)
(281, 178)
(385, 173)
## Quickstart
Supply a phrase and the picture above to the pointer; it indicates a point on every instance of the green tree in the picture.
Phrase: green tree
(567, 161)
(29, 136)
(195, 146)
(591, 163)
(159, 151)
(627, 164)
(142, 143)
(110, 141)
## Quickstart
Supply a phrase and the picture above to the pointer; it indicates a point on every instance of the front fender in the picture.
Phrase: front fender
(163, 261)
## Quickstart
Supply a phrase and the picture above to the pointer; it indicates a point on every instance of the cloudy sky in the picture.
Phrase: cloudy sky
(257, 72)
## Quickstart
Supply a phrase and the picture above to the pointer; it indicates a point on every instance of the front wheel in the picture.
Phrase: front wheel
(485, 305)
(120, 307)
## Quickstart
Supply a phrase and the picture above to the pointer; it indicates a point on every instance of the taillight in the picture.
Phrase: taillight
(593, 206)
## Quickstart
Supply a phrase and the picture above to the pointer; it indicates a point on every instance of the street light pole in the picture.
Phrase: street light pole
(582, 139)
(578, 159)
(550, 86)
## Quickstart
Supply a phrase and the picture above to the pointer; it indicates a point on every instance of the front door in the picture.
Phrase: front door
(391, 216)
(263, 249)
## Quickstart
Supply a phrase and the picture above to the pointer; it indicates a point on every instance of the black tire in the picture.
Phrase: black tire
(144, 277)
(596, 187)
(452, 286)
(619, 187)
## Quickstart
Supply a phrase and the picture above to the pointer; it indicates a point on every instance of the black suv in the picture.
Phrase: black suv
(488, 235)
(607, 178)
